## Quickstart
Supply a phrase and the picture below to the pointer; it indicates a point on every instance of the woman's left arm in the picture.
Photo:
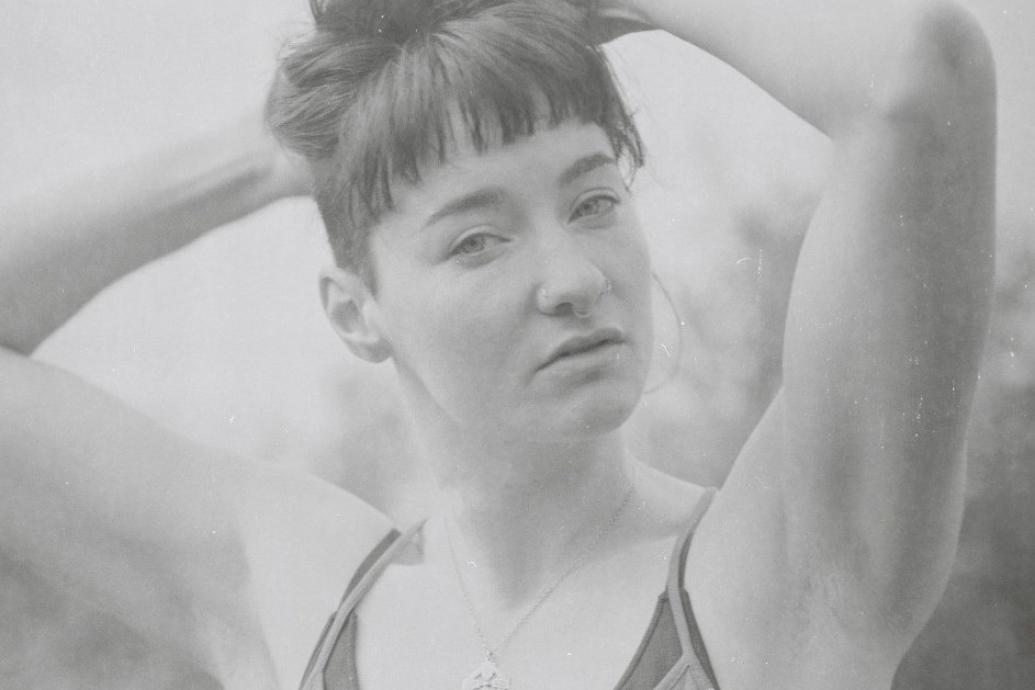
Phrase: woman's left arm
(833, 537)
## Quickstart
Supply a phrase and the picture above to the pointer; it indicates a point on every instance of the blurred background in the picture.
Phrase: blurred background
(226, 341)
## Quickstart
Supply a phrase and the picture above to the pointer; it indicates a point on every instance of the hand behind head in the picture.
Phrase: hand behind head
(400, 19)
(611, 19)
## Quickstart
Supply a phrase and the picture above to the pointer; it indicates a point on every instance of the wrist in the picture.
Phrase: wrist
(287, 174)
(275, 172)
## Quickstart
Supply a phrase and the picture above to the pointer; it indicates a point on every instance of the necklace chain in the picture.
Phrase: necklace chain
(490, 650)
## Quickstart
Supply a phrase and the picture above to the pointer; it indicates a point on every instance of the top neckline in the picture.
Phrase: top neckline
(344, 622)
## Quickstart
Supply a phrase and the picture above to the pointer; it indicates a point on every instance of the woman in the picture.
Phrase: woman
(468, 158)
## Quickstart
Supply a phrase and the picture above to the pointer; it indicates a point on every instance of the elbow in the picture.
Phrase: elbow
(942, 74)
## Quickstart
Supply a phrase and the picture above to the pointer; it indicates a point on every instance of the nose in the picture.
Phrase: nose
(570, 282)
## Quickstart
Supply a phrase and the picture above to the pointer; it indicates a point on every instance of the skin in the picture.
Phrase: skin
(469, 308)
(832, 538)
(801, 578)
(482, 296)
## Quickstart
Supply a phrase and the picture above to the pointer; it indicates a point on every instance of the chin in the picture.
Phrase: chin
(597, 410)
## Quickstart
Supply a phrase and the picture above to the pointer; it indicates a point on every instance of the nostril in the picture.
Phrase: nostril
(579, 314)
(578, 300)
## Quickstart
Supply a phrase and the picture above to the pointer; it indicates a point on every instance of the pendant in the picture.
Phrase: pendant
(486, 677)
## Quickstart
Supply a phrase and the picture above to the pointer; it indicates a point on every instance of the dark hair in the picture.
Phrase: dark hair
(374, 92)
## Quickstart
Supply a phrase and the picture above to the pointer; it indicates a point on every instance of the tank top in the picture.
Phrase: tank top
(671, 654)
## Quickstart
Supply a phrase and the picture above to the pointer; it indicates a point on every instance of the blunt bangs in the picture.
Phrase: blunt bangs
(484, 77)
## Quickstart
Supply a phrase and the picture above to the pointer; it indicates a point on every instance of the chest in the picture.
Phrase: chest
(415, 628)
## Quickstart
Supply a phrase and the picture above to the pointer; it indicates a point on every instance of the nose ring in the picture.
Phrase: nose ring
(544, 298)
(585, 314)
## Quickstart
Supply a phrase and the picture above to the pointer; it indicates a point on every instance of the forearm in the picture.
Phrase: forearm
(829, 61)
(60, 248)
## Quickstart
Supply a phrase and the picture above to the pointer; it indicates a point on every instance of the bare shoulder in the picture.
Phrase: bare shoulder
(668, 501)
(234, 562)
(304, 538)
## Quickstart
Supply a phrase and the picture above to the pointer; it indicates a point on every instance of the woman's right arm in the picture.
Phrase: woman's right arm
(182, 542)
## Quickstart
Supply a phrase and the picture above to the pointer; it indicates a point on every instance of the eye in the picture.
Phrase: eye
(594, 206)
(475, 244)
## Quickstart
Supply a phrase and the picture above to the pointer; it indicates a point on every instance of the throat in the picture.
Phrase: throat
(510, 538)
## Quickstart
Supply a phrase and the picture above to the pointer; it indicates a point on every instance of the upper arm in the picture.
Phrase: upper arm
(168, 535)
(848, 497)
(885, 328)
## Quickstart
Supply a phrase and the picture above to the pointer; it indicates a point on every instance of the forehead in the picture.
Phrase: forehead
(547, 157)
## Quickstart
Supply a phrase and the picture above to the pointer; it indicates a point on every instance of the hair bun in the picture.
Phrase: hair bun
(393, 20)
(401, 19)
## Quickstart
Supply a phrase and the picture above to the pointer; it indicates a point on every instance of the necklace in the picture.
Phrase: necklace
(488, 676)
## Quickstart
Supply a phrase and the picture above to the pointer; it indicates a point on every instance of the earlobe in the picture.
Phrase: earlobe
(351, 309)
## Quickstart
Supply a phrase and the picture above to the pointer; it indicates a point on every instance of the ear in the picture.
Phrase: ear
(352, 311)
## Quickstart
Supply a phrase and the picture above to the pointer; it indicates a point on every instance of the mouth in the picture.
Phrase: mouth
(598, 342)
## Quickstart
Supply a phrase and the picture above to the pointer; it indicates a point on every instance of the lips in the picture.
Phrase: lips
(584, 344)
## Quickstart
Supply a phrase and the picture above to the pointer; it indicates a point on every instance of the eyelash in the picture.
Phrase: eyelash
(611, 200)
(458, 249)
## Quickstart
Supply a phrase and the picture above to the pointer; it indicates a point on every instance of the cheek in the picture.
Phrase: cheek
(456, 337)
(631, 274)
(631, 268)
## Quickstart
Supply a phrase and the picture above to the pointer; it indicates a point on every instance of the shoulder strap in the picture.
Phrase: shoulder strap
(362, 581)
(677, 570)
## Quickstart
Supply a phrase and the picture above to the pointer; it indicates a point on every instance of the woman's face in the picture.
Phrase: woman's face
(514, 287)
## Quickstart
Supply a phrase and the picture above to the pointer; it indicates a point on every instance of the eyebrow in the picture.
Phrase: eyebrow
(493, 197)
(489, 197)
(583, 166)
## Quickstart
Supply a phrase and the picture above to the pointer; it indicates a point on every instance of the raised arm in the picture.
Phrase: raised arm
(188, 545)
(63, 246)
(829, 62)
(834, 535)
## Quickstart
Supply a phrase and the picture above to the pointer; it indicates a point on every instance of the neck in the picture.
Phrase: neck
(522, 513)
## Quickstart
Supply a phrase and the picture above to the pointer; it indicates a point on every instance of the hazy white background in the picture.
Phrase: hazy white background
(226, 341)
